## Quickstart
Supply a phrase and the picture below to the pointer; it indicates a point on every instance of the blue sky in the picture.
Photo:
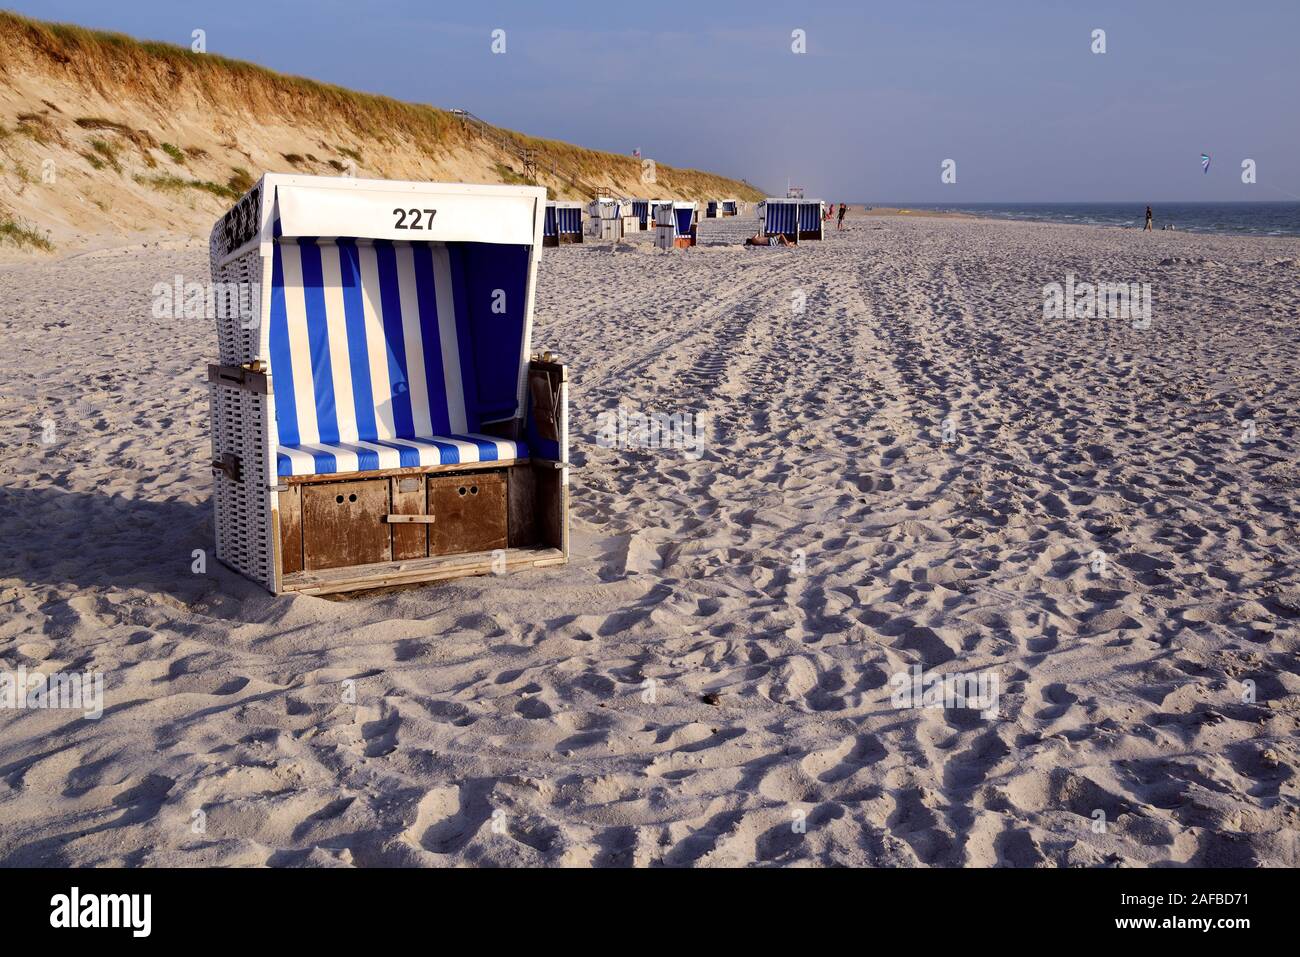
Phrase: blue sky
(885, 92)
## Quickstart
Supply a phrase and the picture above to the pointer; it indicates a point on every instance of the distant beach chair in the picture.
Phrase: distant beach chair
(641, 210)
(732, 207)
(631, 222)
(713, 209)
(794, 218)
(563, 224)
(675, 225)
(655, 205)
(377, 420)
(812, 218)
(605, 215)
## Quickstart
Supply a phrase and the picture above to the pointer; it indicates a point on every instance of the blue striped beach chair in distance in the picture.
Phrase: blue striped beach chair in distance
(676, 224)
(641, 210)
(793, 218)
(563, 223)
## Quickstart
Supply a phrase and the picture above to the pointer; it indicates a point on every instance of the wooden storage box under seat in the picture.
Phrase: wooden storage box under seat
(469, 513)
(345, 523)
(365, 521)
(431, 529)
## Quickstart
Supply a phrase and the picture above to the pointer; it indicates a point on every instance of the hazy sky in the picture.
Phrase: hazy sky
(885, 92)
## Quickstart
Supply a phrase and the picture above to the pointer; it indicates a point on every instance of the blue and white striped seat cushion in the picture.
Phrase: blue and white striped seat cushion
(371, 358)
(320, 458)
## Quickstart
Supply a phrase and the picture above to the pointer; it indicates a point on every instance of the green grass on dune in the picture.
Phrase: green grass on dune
(155, 72)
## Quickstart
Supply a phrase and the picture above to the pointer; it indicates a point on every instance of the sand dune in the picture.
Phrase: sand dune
(833, 535)
(104, 139)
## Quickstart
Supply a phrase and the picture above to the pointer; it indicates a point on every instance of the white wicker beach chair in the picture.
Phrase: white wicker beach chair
(675, 225)
(377, 420)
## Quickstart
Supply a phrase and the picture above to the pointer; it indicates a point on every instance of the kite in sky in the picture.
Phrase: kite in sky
(1205, 162)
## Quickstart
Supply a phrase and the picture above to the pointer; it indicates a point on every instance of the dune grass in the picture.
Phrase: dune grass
(240, 182)
(107, 154)
(167, 183)
(20, 233)
(36, 128)
(157, 72)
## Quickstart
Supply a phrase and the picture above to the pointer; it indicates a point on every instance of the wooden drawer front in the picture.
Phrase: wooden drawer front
(469, 513)
(409, 540)
(343, 523)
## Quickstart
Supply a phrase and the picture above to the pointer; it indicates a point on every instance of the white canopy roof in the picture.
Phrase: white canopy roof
(384, 209)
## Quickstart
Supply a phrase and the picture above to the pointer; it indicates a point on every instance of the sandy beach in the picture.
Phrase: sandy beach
(905, 465)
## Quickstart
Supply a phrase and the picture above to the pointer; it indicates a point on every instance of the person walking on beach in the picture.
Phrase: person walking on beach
(843, 209)
(1148, 225)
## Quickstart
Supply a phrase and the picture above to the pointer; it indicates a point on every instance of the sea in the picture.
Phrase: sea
(1243, 219)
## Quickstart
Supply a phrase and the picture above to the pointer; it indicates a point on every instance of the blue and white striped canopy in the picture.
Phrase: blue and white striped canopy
(568, 219)
(562, 219)
(781, 218)
(394, 354)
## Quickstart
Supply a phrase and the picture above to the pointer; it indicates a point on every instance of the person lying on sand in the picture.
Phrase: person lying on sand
(776, 239)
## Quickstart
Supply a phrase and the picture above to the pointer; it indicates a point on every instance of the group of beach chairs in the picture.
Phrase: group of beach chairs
(785, 221)
(607, 218)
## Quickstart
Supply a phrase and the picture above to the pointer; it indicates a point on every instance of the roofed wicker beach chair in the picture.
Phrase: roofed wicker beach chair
(563, 224)
(675, 225)
(377, 420)
(641, 211)
(606, 216)
(792, 217)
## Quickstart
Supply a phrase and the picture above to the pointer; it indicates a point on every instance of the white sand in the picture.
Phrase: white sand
(519, 701)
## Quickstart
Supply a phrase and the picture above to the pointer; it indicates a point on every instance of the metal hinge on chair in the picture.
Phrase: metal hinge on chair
(228, 465)
(251, 376)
